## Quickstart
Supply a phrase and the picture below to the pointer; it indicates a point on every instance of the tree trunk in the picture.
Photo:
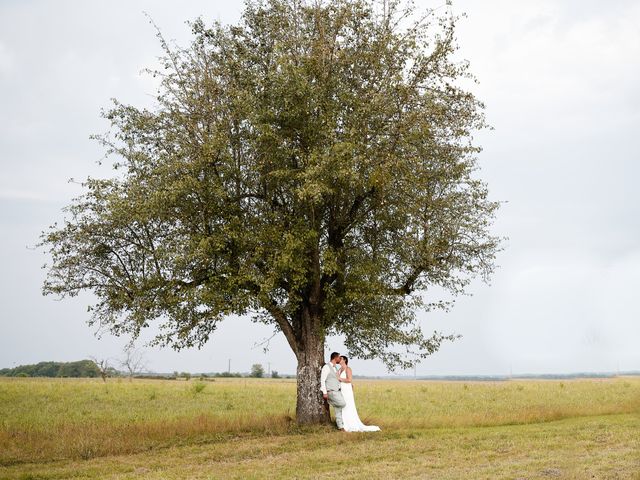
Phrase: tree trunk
(310, 406)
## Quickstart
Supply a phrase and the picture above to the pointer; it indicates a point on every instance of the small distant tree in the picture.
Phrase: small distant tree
(103, 367)
(274, 374)
(186, 375)
(133, 361)
(257, 371)
(176, 374)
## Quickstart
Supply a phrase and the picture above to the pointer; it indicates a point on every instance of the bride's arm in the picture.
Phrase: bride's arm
(340, 379)
(348, 379)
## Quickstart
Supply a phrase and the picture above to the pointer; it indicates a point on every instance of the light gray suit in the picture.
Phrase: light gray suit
(334, 394)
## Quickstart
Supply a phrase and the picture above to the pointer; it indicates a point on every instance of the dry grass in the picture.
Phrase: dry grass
(240, 428)
(94, 439)
(44, 419)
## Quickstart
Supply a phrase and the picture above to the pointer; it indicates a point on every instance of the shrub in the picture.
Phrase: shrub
(257, 370)
(197, 388)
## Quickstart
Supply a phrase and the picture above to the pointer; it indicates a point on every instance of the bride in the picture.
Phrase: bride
(350, 416)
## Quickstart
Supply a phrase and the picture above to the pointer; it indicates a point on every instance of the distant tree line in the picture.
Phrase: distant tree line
(257, 371)
(82, 368)
(227, 374)
(100, 368)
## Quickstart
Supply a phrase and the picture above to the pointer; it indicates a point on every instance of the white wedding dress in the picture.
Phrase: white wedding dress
(350, 416)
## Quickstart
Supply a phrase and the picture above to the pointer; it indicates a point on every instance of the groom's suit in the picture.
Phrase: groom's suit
(330, 385)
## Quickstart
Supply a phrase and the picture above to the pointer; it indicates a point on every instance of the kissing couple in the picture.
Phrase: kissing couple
(337, 388)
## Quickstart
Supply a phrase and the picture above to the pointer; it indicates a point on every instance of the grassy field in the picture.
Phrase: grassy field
(244, 428)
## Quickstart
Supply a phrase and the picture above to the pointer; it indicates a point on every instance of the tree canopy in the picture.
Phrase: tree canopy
(311, 166)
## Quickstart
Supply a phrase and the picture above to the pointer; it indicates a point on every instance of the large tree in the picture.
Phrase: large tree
(311, 166)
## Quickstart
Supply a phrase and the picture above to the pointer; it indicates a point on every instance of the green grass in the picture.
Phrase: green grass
(243, 428)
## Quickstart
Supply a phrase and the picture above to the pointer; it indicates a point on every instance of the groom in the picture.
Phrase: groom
(330, 386)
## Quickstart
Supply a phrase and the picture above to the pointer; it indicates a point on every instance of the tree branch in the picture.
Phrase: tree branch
(281, 319)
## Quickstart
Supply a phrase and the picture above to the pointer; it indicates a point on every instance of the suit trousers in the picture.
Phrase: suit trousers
(336, 399)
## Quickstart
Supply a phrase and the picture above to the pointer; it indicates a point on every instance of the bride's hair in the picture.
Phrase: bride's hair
(346, 360)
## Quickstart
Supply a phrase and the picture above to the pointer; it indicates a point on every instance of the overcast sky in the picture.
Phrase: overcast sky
(560, 82)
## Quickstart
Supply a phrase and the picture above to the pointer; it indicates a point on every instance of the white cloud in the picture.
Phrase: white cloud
(13, 194)
(6, 59)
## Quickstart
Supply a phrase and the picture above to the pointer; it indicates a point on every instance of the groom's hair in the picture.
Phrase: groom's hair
(334, 355)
